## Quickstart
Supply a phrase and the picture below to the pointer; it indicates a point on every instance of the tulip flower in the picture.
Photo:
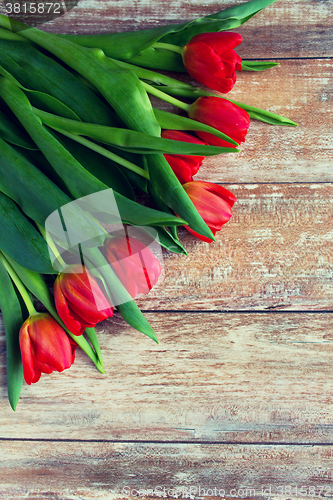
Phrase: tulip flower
(213, 203)
(134, 264)
(79, 300)
(45, 347)
(211, 60)
(222, 115)
(184, 166)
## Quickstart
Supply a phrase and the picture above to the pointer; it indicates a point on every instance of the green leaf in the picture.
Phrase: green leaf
(135, 214)
(153, 76)
(164, 181)
(157, 58)
(103, 168)
(258, 65)
(8, 35)
(134, 141)
(37, 195)
(20, 240)
(50, 104)
(137, 181)
(42, 100)
(10, 132)
(265, 116)
(173, 230)
(13, 320)
(125, 46)
(91, 334)
(105, 153)
(226, 19)
(134, 317)
(167, 240)
(45, 78)
(126, 94)
(78, 180)
(177, 122)
(37, 286)
(61, 160)
(120, 46)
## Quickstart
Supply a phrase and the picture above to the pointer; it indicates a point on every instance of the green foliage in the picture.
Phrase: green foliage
(13, 320)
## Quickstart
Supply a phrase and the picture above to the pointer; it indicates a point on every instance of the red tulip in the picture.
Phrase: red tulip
(45, 347)
(184, 166)
(222, 115)
(134, 264)
(211, 60)
(79, 300)
(213, 203)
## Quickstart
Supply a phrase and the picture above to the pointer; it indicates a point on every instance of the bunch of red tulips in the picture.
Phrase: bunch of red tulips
(110, 147)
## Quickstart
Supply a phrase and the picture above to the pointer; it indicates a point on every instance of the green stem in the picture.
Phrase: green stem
(168, 46)
(152, 76)
(104, 152)
(19, 285)
(166, 97)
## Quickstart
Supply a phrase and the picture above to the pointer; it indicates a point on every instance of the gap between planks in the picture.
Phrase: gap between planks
(167, 442)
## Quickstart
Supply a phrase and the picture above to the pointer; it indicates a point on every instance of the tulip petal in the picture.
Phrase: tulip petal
(184, 166)
(31, 375)
(202, 63)
(135, 265)
(217, 112)
(45, 347)
(210, 59)
(197, 235)
(220, 41)
(218, 190)
(85, 302)
(72, 323)
(183, 169)
(53, 349)
(213, 202)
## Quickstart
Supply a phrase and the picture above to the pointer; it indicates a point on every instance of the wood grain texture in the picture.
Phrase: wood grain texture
(301, 91)
(107, 471)
(298, 89)
(298, 28)
(275, 252)
(249, 378)
(226, 400)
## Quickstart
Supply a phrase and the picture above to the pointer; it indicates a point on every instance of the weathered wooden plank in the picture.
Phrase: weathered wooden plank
(231, 378)
(300, 28)
(275, 252)
(300, 90)
(127, 470)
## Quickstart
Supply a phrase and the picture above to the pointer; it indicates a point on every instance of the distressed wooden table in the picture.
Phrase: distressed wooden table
(236, 400)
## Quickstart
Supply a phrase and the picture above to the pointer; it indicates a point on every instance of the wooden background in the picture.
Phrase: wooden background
(238, 394)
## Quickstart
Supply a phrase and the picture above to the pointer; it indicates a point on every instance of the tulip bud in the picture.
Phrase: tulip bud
(134, 264)
(79, 300)
(184, 166)
(211, 60)
(222, 115)
(45, 347)
(213, 203)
